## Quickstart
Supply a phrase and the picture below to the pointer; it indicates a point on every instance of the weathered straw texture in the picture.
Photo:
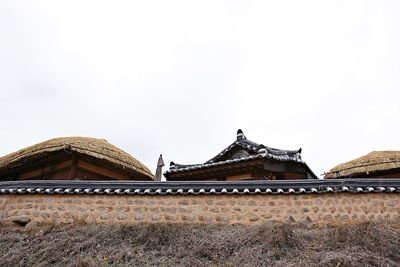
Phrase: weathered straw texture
(376, 161)
(98, 149)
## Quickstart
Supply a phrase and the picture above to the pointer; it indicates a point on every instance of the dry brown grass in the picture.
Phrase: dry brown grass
(201, 245)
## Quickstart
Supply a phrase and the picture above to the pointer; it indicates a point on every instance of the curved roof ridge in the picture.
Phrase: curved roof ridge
(251, 145)
(177, 165)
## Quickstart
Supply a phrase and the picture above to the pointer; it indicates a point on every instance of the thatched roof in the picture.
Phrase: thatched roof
(374, 162)
(96, 149)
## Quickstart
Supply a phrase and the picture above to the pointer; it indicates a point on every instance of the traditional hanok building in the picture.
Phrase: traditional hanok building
(70, 158)
(245, 160)
(377, 164)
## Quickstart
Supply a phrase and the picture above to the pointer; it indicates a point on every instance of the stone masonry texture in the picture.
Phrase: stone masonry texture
(207, 209)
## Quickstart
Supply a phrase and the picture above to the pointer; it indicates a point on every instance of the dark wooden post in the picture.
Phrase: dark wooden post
(74, 170)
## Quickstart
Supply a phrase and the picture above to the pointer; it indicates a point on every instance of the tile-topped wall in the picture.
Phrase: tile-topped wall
(225, 209)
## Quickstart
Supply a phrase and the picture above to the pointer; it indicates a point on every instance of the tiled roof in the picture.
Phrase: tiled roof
(181, 168)
(256, 151)
(358, 185)
(243, 142)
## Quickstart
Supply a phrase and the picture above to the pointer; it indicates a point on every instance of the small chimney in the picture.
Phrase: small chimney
(160, 164)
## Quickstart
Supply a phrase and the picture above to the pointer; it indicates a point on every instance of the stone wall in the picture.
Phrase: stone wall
(245, 209)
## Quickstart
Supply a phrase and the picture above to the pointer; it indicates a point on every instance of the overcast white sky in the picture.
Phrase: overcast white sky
(180, 77)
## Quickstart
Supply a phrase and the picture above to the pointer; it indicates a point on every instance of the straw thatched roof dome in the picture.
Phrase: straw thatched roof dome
(95, 149)
(374, 163)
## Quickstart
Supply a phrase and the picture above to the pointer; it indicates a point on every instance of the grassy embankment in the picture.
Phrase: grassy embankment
(201, 245)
